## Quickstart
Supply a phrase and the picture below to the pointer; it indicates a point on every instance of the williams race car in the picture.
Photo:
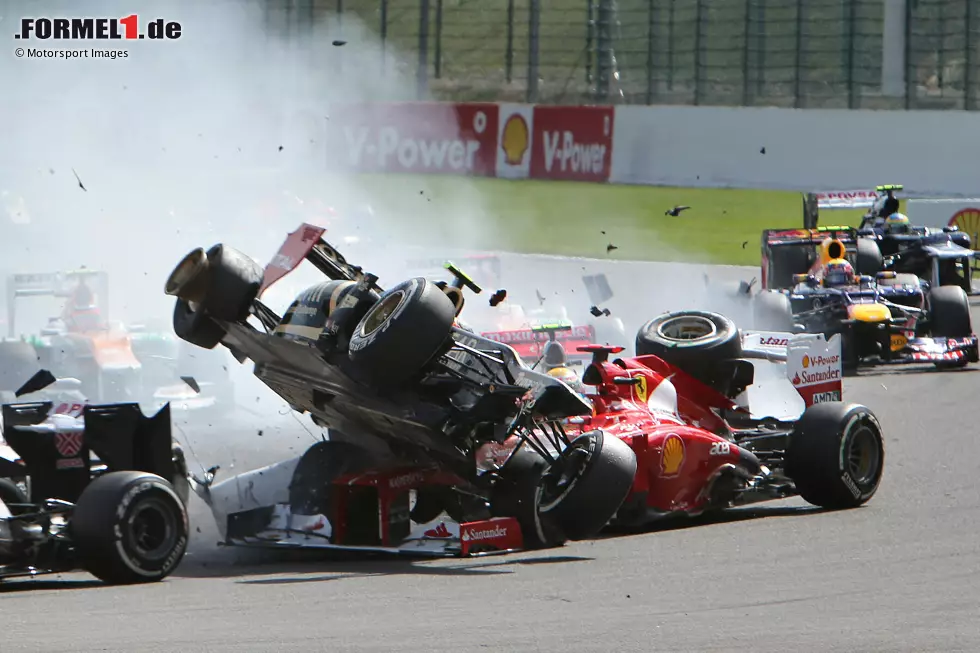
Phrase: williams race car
(409, 397)
(93, 487)
(705, 441)
(941, 256)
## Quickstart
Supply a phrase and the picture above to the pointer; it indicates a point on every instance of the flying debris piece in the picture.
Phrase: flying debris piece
(744, 243)
(339, 43)
(541, 297)
(498, 297)
(39, 381)
(610, 247)
(676, 211)
(597, 285)
(745, 287)
(280, 148)
(599, 312)
(189, 380)
(762, 151)
(78, 179)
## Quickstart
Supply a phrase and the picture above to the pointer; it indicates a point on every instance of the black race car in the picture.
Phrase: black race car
(394, 375)
(886, 318)
(942, 256)
(93, 487)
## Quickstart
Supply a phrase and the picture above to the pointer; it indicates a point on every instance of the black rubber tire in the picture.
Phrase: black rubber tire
(610, 330)
(699, 357)
(515, 495)
(949, 310)
(868, 258)
(103, 521)
(196, 327)
(592, 498)
(417, 328)
(234, 280)
(949, 316)
(818, 458)
(784, 262)
(11, 493)
(772, 311)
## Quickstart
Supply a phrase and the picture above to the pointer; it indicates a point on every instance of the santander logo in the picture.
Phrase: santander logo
(474, 535)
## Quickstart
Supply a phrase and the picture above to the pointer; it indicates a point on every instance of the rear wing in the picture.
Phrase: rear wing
(54, 284)
(307, 243)
(843, 199)
(813, 363)
(809, 237)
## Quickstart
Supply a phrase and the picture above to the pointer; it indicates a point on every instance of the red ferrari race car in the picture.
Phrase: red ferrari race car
(717, 419)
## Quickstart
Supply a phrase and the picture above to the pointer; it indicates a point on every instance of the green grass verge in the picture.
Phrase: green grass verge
(723, 226)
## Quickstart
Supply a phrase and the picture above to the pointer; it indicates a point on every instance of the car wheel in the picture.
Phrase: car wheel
(11, 493)
(949, 314)
(583, 489)
(224, 281)
(836, 455)
(694, 341)
(129, 527)
(408, 326)
(772, 311)
(515, 495)
(868, 259)
(195, 327)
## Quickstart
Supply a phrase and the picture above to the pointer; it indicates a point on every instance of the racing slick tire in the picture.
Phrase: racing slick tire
(772, 311)
(694, 341)
(868, 258)
(610, 331)
(408, 326)
(949, 310)
(515, 494)
(129, 527)
(224, 281)
(836, 455)
(582, 490)
(195, 327)
(11, 493)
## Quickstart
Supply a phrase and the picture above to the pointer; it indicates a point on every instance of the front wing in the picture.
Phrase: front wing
(937, 350)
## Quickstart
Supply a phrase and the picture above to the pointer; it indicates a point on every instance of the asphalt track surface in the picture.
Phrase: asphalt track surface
(900, 574)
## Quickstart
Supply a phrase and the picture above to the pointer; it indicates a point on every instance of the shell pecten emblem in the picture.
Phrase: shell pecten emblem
(515, 139)
(806, 361)
(672, 456)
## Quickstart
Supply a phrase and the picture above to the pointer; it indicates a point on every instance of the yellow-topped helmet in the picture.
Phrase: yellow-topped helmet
(897, 223)
(569, 377)
(831, 249)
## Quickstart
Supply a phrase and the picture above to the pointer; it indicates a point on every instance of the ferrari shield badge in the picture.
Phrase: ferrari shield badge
(672, 456)
(641, 389)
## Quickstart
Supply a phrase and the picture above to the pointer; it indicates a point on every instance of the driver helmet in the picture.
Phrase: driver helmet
(897, 223)
(570, 378)
(838, 272)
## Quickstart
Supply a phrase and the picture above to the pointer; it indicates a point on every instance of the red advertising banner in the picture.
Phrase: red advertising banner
(414, 137)
(572, 143)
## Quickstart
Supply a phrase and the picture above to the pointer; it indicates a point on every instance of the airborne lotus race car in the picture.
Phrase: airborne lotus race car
(706, 439)
(887, 318)
(94, 487)
(409, 397)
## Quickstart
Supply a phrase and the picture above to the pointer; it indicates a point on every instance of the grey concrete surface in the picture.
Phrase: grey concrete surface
(900, 574)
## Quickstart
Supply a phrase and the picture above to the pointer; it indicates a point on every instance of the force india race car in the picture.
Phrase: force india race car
(407, 394)
(886, 318)
(94, 487)
(942, 256)
(339, 494)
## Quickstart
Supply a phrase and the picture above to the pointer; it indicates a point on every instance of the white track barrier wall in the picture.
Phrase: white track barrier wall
(930, 152)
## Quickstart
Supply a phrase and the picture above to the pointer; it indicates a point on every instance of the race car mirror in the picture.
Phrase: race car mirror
(628, 380)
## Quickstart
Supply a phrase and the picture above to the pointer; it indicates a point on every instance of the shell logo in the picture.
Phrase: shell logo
(806, 361)
(968, 220)
(672, 456)
(515, 139)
